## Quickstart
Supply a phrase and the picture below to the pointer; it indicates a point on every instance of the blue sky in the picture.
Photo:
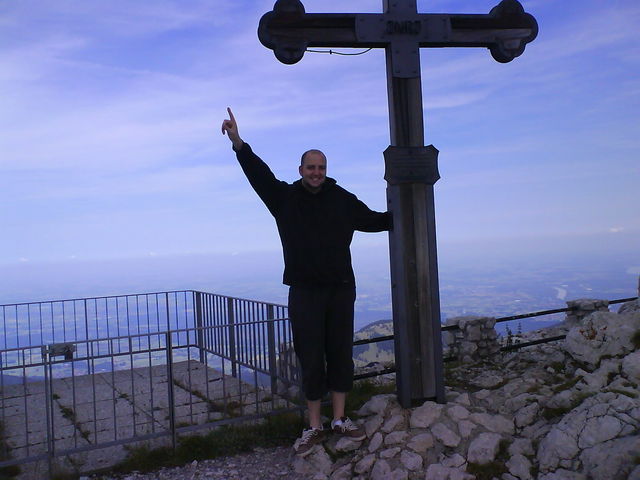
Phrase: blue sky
(111, 111)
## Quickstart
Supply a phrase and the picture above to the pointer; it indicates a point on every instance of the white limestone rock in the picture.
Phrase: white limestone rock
(318, 461)
(526, 415)
(456, 460)
(342, 473)
(493, 423)
(438, 472)
(381, 470)
(425, 415)
(562, 474)
(390, 452)
(602, 334)
(611, 460)
(395, 438)
(375, 442)
(364, 465)
(377, 405)
(457, 413)
(411, 461)
(598, 420)
(631, 366)
(346, 444)
(520, 466)
(396, 422)
(372, 424)
(444, 434)
(421, 443)
(484, 448)
(466, 428)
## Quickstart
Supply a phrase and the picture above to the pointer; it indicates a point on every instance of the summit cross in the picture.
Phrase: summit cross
(411, 168)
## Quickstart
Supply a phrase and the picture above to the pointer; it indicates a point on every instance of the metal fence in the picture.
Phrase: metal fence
(80, 378)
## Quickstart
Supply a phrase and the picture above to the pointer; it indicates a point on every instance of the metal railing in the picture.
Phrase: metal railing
(79, 378)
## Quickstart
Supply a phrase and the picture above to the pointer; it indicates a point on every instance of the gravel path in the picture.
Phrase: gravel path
(261, 464)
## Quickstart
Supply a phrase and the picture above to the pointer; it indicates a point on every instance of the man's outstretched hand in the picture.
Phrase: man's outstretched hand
(230, 128)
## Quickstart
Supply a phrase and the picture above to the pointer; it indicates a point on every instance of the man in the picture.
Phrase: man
(316, 220)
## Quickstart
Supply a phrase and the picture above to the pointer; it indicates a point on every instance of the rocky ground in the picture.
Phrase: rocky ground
(563, 410)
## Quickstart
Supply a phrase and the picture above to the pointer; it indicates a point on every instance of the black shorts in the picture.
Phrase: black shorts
(322, 324)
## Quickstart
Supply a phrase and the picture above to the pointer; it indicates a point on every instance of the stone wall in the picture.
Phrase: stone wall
(584, 307)
(475, 339)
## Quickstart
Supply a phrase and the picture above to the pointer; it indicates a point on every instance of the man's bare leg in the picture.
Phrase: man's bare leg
(338, 400)
(314, 413)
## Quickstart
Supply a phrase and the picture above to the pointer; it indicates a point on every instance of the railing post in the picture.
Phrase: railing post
(48, 394)
(199, 325)
(232, 336)
(271, 339)
(170, 390)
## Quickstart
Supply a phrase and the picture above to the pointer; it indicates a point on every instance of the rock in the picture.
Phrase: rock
(365, 464)
(563, 474)
(318, 461)
(493, 423)
(457, 413)
(425, 415)
(442, 433)
(411, 461)
(466, 427)
(630, 307)
(421, 442)
(526, 415)
(376, 442)
(635, 474)
(611, 460)
(345, 444)
(487, 381)
(455, 460)
(372, 424)
(390, 452)
(484, 448)
(396, 437)
(521, 446)
(377, 405)
(520, 466)
(602, 334)
(381, 470)
(396, 422)
(631, 366)
(438, 472)
(342, 473)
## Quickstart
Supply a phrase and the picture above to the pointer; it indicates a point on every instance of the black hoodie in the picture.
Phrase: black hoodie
(315, 229)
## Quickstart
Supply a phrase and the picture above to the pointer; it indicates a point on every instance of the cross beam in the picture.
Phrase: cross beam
(411, 169)
(289, 30)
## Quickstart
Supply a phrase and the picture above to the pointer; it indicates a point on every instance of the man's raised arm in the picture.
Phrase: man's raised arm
(230, 128)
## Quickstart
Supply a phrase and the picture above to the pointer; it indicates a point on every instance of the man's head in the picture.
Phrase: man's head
(313, 169)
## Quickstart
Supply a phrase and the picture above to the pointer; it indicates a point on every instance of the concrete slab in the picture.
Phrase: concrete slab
(119, 406)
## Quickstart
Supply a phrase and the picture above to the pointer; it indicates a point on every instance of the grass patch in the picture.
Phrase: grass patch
(635, 339)
(550, 413)
(567, 385)
(624, 392)
(224, 441)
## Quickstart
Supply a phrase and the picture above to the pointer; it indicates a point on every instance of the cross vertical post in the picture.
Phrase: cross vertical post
(411, 169)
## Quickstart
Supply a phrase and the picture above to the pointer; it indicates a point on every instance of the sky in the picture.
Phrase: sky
(111, 148)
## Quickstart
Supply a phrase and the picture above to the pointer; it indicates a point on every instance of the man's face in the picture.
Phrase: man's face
(313, 171)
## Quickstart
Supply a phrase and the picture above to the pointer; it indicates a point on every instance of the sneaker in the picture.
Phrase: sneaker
(346, 427)
(309, 438)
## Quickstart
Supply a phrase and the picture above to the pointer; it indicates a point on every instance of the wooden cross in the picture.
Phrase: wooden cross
(410, 168)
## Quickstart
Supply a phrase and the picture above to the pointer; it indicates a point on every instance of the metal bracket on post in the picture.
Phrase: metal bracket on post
(59, 350)
(411, 165)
